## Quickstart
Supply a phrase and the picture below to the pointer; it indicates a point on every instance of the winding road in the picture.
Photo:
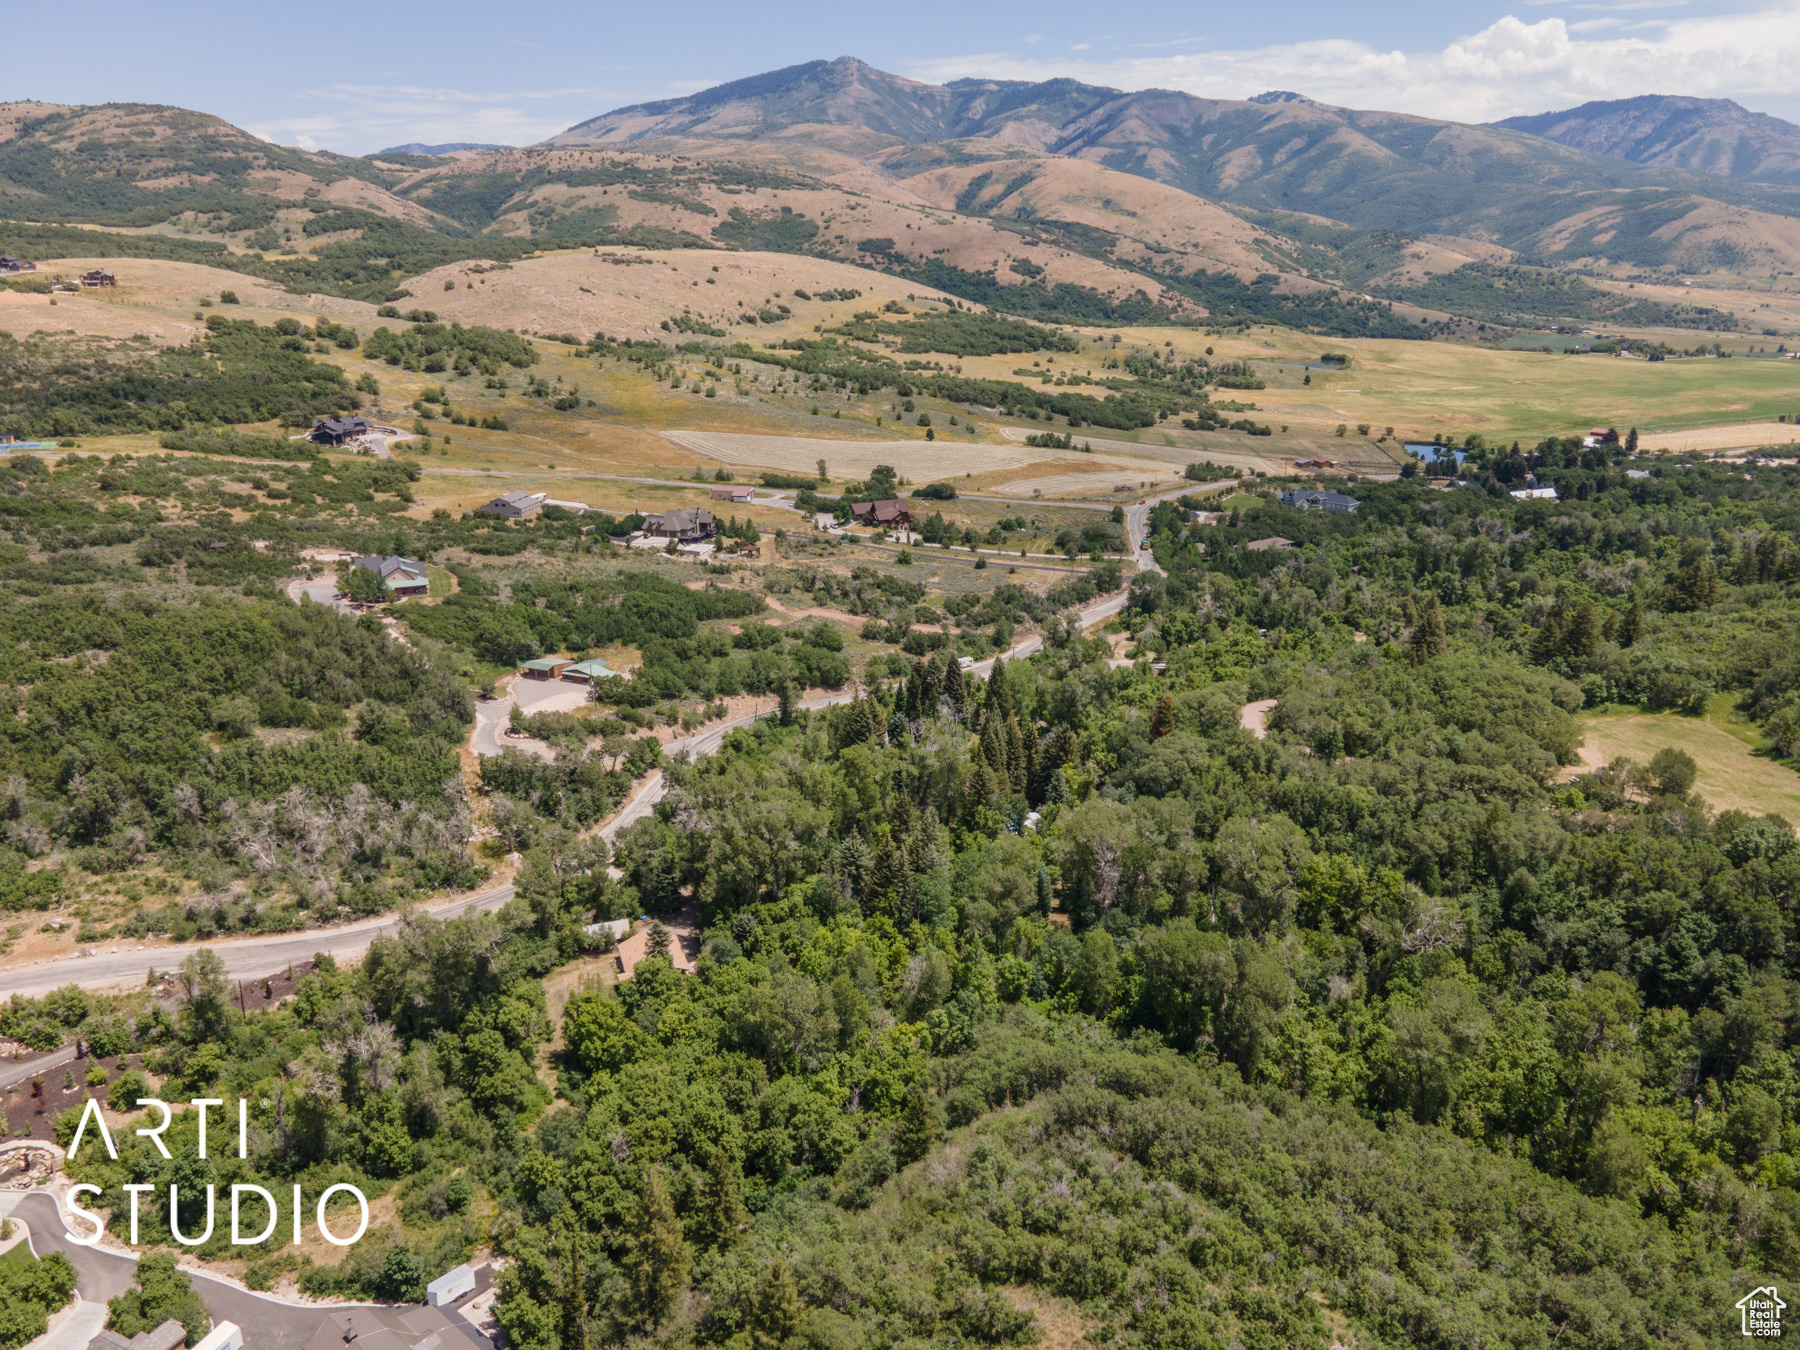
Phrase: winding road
(255, 957)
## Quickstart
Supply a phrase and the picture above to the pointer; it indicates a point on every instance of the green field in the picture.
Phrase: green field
(1419, 388)
(1734, 774)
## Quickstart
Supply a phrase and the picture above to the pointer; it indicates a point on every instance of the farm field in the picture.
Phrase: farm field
(700, 415)
(1422, 388)
(1732, 775)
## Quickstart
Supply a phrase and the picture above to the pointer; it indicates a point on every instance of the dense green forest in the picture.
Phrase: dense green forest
(220, 735)
(1378, 1029)
(240, 371)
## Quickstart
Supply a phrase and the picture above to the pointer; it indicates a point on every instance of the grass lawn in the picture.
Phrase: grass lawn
(16, 1258)
(442, 582)
(1734, 774)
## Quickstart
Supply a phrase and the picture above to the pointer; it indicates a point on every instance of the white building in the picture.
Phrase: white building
(449, 1286)
(223, 1336)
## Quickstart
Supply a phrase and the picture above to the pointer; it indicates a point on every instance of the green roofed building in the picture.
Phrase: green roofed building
(400, 577)
(586, 672)
(545, 667)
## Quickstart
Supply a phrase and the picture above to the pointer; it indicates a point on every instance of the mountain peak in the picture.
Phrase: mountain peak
(1284, 96)
(1676, 131)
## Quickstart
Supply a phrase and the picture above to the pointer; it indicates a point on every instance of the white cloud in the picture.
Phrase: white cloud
(1510, 67)
(357, 119)
(1081, 46)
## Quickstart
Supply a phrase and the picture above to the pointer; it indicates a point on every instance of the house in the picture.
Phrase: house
(450, 1286)
(687, 525)
(403, 577)
(1637, 473)
(1302, 499)
(165, 1337)
(616, 929)
(515, 505)
(1597, 438)
(546, 667)
(737, 494)
(97, 276)
(339, 430)
(9, 264)
(884, 514)
(1534, 494)
(1206, 517)
(1274, 541)
(586, 672)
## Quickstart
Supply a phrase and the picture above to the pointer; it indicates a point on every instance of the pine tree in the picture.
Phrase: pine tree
(1045, 896)
(574, 1299)
(918, 1128)
(722, 1214)
(1003, 702)
(656, 1255)
(657, 943)
(1015, 754)
(993, 748)
(1631, 441)
(1428, 637)
(1162, 721)
(775, 1312)
(784, 694)
(1631, 625)
(954, 688)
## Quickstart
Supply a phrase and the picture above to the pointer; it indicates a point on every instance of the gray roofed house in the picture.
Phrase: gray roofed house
(515, 505)
(402, 576)
(688, 524)
(357, 1328)
(1317, 499)
(339, 430)
(165, 1337)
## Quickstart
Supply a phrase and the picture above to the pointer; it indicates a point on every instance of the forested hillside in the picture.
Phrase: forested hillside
(1061, 999)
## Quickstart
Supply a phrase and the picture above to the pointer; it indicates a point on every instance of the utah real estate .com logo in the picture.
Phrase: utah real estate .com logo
(1761, 1311)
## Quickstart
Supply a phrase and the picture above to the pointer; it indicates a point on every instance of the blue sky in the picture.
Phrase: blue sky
(357, 77)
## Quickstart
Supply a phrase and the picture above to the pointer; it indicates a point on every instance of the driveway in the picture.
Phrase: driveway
(267, 1323)
(493, 716)
(323, 592)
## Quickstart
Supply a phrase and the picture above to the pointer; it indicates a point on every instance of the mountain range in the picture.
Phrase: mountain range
(415, 148)
(1701, 135)
(1058, 196)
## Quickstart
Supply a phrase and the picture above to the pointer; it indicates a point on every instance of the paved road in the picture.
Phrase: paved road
(254, 958)
(18, 1071)
(1137, 518)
